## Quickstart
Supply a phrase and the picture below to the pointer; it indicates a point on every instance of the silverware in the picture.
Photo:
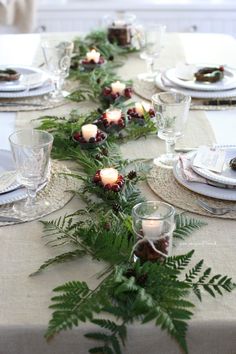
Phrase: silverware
(215, 210)
(9, 219)
(14, 104)
(185, 149)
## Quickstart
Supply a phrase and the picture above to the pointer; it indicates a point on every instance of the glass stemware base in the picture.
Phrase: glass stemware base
(25, 209)
(149, 77)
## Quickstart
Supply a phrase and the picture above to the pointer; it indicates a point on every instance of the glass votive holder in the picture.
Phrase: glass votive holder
(153, 224)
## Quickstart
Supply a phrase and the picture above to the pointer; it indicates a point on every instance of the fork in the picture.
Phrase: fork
(215, 210)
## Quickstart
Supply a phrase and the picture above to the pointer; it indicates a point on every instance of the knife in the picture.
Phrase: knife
(14, 104)
(9, 219)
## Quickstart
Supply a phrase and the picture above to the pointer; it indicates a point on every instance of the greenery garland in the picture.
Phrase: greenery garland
(128, 291)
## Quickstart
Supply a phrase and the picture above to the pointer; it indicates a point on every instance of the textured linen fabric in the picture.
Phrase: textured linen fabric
(24, 300)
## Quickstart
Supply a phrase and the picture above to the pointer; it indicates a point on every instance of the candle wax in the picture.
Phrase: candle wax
(89, 131)
(113, 115)
(108, 176)
(152, 228)
(93, 55)
(140, 107)
(118, 87)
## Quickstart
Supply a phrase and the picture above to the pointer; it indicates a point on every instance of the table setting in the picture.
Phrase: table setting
(139, 244)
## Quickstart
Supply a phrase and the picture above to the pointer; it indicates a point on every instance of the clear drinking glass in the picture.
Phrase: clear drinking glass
(57, 55)
(171, 111)
(153, 44)
(153, 223)
(31, 152)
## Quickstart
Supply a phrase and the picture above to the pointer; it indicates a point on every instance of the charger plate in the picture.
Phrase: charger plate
(202, 188)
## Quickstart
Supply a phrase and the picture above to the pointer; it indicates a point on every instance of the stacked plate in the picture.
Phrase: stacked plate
(217, 185)
(169, 80)
(32, 82)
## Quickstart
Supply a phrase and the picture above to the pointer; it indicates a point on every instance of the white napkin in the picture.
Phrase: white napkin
(6, 179)
(187, 171)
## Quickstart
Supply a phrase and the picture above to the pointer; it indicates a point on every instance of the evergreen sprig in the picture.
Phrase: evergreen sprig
(128, 291)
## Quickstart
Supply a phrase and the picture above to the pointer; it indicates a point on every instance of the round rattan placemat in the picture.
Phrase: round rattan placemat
(162, 182)
(58, 192)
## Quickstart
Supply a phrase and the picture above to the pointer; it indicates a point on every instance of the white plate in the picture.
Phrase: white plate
(34, 76)
(228, 82)
(227, 176)
(165, 85)
(39, 91)
(203, 189)
(7, 165)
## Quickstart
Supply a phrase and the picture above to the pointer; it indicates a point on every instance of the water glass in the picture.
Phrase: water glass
(153, 44)
(153, 224)
(57, 55)
(171, 110)
(31, 152)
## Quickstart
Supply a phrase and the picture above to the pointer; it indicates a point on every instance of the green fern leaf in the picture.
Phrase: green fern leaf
(185, 226)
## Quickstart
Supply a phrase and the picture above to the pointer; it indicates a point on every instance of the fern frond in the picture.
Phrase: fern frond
(185, 226)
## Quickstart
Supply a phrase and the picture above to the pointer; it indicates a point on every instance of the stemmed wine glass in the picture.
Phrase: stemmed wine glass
(153, 43)
(57, 55)
(171, 111)
(31, 152)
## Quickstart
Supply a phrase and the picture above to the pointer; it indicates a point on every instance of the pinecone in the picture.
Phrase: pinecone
(142, 279)
(116, 208)
(130, 273)
(104, 152)
(98, 157)
(132, 174)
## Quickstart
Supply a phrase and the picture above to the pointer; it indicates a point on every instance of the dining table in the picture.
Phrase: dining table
(25, 300)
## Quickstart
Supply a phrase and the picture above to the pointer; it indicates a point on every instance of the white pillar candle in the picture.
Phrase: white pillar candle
(93, 55)
(152, 228)
(140, 107)
(119, 23)
(89, 131)
(118, 87)
(113, 115)
(108, 175)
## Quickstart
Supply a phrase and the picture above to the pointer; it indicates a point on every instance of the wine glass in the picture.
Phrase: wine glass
(153, 43)
(57, 55)
(171, 110)
(31, 152)
(153, 224)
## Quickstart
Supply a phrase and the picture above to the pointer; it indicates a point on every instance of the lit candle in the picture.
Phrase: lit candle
(93, 55)
(118, 87)
(152, 228)
(140, 107)
(113, 115)
(119, 23)
(89, 131)
(108, 176)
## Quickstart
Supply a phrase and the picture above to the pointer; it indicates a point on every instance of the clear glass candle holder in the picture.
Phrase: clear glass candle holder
(153, 224)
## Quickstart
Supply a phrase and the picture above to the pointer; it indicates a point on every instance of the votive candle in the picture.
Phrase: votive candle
(89, 131)
(152, 228)
(93, 55)
(118, 87)
(113, 115)
(141, 106)
(108, 175)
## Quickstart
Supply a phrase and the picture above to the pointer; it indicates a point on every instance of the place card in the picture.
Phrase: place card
(210, 158)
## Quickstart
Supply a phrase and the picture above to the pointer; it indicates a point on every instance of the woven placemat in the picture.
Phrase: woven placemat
(36, 103)
(147, 89)
(162, 182)
(58, 192)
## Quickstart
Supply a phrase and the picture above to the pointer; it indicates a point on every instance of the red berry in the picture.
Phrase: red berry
(108, 187)
(116, 187)
(77, 136)
(128, 92)
(221, 68)
(106, 91)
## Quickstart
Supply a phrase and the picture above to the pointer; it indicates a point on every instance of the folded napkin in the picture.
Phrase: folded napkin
(6, 180)
(187, 171)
